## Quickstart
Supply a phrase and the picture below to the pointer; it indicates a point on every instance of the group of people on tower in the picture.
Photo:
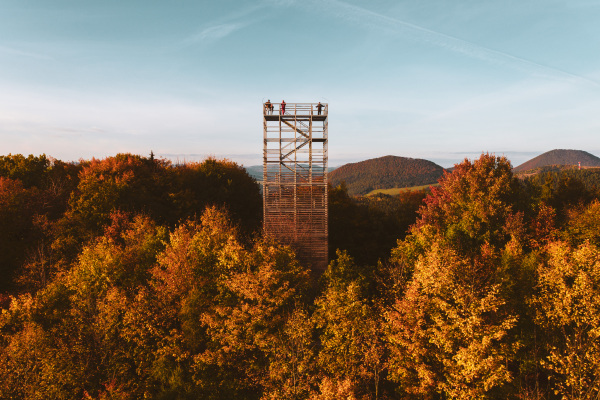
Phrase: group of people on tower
(269, 107)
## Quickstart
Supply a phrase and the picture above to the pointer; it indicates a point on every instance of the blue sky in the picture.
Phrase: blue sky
(440, 80)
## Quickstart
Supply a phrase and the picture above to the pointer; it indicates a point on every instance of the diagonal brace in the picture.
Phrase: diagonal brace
(297, 148)
(295, 172)
(296, 128)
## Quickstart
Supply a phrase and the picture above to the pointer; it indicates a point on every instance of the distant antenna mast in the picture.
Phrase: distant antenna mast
(295, 178)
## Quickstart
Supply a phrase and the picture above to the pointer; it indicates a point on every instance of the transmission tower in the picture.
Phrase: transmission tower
(295, 178)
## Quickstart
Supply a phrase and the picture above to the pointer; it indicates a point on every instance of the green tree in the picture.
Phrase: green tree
(30, 170)
(563, 190)
(217, 183)
(368, 228)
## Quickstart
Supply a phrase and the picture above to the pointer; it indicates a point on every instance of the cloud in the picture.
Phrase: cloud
(375, 21)
(73, 125)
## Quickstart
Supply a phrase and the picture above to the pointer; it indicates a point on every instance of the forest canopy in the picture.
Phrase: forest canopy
(135, 278)
(49, 209)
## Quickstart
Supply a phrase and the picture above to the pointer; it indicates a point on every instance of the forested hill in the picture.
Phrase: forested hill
(385, 173)
(560, 157)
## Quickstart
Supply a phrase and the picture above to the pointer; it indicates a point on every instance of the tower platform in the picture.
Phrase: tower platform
(288, 117)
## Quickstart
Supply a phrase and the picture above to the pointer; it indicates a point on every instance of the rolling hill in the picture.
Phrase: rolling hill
(385, 173)
(255, 171)
(560, 157)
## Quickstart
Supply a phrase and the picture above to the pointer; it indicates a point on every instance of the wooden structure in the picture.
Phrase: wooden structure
(295, 178)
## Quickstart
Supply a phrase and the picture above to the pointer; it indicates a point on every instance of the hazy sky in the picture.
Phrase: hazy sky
(440, 80)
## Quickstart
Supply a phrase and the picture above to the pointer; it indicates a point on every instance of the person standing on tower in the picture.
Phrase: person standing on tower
(282, 107)
(319, 107)
(268, 107)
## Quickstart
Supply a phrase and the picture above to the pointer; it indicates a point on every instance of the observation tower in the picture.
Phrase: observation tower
(295, 178)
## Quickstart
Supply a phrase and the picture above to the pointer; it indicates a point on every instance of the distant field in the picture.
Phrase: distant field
(394, 191)
(550, 168)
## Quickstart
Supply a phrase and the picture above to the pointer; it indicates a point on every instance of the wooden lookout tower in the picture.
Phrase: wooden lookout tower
(295, 178)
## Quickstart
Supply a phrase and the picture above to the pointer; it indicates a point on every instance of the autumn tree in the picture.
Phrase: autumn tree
(474, 204)
(168, 194)
(349, 323)
(451, 328)
(568, 309)
(293, 372)
(217, 315)
(66, 339)
(34, 191)
(18, 205)
(125, 182)
(449, 334)
(583, 224)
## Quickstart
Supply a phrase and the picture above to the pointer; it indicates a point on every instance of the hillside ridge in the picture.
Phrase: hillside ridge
(385, 173)
(560, 157)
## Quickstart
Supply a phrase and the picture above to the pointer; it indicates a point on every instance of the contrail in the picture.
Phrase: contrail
(214, 33)
(12, 51)
(373, 20)
(224, 27)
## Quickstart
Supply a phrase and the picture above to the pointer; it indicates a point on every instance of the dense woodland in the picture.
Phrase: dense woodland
(130, 278)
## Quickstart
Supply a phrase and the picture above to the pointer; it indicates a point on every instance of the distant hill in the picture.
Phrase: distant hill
(560, 157)
(386, 173)
(255, 171)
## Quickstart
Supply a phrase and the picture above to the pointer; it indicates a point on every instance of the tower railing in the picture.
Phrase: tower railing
(299, 109)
